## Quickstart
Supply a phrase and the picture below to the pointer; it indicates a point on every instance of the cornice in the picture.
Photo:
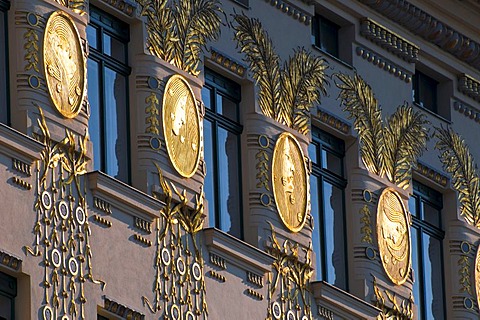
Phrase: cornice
(389, 40)
(292, 10)
(469, 86)
(428, 27)
(17, 144)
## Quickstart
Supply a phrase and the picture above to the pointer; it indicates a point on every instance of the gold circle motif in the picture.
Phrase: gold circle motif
(181, 126)
(393, 235)
(290, 182)
(477, 274)
(64, 64)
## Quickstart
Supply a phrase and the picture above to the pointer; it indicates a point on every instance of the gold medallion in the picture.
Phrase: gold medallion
(181, 126)
(477, 274)
(393, 235)
(64, 64)
(290, 182)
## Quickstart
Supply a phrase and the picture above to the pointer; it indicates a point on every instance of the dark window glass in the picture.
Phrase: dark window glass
(425, 91)
(327, 187)
(325, 35)
(222, 153)
(8, 292)
(108, 94)
(427, 236)
(99, 317)
(4, 107)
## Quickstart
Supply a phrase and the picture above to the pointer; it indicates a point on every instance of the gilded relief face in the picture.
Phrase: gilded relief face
(181, 126)
(393, 235)
(64, 64)
(290, 182)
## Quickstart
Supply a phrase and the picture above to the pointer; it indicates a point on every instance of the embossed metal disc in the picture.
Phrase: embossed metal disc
(63, 209)
(46, 200)
(80, 215)
(47, 313)
(276, 310)
(477, 274)
(64, 64)
(393, 234)
(290, 182)
(196, 271)
(73, 266)
(56, 258)
(181, 126)
(181, 266)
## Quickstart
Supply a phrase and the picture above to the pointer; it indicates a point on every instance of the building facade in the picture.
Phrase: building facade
(239, 159)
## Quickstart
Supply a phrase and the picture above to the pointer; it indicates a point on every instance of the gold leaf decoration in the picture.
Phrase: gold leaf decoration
(458, 161)
(179, 30)
(285, 94)
(31, 49)
(393, 308)
(405, 136)
(392, 149)
(152, 111)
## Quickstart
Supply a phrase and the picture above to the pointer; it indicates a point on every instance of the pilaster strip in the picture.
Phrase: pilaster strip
(428, 27)
(389, 40)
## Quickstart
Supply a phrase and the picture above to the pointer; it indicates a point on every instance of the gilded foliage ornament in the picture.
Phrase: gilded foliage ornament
(393, 308)
(290, 182)
(64, 64)
(286, 93)
(178, 30)
(459, 162)
(392, 149)
(181, 126)
(393, 235)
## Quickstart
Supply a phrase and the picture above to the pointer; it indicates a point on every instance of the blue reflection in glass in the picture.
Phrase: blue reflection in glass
(94, 123)
(209, 185)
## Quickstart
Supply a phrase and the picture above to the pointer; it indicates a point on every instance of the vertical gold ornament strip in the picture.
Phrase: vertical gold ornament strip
(152, 114)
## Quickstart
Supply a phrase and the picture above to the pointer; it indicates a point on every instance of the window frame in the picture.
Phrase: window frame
(324, 141)
(116, 29)
(425, 195)
(8, 289)
(220, 85)
(418, 79)
(317, 22)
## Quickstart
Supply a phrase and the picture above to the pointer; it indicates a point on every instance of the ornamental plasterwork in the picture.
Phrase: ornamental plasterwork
(178, 30)
(285, 94)
(393, 236)
(459, 162)
(392, 306)
(64, 64)
(181, 126)
(77, 6)
(62, 231)
(431, 29)
(477, 275)
(179, 286)
(391, 149)
(469, 86)
(295, 12)
(385, 64)
(289, 296)
(290, 182)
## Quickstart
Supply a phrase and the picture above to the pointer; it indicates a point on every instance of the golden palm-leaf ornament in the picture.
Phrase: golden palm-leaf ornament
(285, 94)
(392, 149)
(179, 30)
(459, 162)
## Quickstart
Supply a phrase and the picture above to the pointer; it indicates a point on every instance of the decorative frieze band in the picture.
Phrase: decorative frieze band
(21, 167)
(254, 294)
(126, 6)
(122, 310)
(332, 121)
(255, 279)
(103, 221)
(431, 29)
(9, 261)
(143, 225)
(142, 240)
(292, 10)
(388, 40)
(431, 174)
(469, 86)
(467, 111)
(102, 205)
(217, 276)
(385, 64)
(228, 63)
(22, 183)
(218, 261)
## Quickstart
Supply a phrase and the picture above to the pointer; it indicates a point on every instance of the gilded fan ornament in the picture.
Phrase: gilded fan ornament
(181, 126)
(393, 235)
(290, 182)
(64, 64)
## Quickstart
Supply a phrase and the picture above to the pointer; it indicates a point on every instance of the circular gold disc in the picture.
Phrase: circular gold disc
(290, 182)
(393, 235)
(64, 64)
(181, 126)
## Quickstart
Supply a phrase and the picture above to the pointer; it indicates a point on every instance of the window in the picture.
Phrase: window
(108, 94)
(325, 35)
(4, 109)
(427, 236)
(99, 317)
(222, 153)
(8, 292)
(425, 91)
(327, 187)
